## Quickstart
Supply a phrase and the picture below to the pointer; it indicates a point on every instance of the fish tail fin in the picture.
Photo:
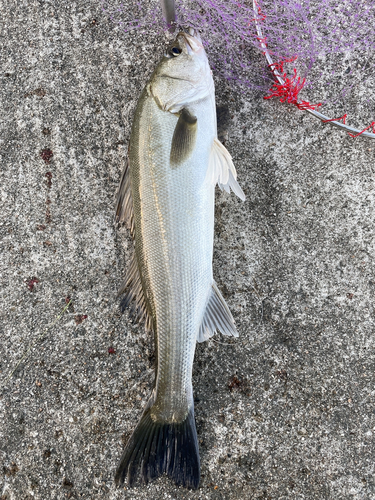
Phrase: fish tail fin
(156, 448)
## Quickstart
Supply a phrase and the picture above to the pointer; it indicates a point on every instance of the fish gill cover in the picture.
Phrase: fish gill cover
(327, 45)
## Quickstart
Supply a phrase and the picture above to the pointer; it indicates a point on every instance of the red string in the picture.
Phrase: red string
(292, 86)
(279, 66)
(343, 118)
(372, 125)
(289, 90)
(261, 15)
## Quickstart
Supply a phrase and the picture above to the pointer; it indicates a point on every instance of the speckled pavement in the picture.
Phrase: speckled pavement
(284, 412)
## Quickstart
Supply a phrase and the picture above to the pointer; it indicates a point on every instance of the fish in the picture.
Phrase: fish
(166, 198)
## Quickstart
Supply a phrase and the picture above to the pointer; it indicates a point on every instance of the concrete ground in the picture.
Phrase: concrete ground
(284, 412)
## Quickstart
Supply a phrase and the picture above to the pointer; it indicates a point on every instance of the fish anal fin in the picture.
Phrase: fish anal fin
(217, 317)
(134, 298)
(124, 200)
(221, 170)
(184, 138)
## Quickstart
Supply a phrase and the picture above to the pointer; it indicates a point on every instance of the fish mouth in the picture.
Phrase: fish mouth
(192, 40)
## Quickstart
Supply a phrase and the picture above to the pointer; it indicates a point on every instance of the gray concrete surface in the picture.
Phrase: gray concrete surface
(284, 412)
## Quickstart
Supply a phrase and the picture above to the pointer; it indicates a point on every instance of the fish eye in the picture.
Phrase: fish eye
(175, 51)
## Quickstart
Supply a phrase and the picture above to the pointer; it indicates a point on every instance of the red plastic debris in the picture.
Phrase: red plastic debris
(31, 283)
(46, 155)
(111, 350)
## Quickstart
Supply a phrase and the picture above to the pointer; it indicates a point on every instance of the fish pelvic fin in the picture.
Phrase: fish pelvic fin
(157, 448)
(124, 200)
(221, 170)
(217, 317)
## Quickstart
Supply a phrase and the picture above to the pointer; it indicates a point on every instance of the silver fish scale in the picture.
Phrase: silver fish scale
(174, 221)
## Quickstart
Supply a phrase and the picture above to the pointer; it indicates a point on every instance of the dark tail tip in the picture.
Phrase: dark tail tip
(156, 448)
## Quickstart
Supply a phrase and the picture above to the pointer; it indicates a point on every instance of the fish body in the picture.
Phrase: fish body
(167, 198)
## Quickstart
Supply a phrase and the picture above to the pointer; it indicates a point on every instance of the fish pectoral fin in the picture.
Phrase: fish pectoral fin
(221, 170)
(124, 200)
(216, 317)
(184, 138)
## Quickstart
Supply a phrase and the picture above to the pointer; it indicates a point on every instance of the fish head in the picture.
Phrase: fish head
(183, 75)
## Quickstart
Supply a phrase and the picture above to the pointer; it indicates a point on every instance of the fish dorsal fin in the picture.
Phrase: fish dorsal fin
(184, 138)
(134, 296)
(124, 200)
(216, 317)
(221, 170)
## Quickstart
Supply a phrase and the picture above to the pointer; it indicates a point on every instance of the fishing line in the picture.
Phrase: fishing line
(225, 343)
